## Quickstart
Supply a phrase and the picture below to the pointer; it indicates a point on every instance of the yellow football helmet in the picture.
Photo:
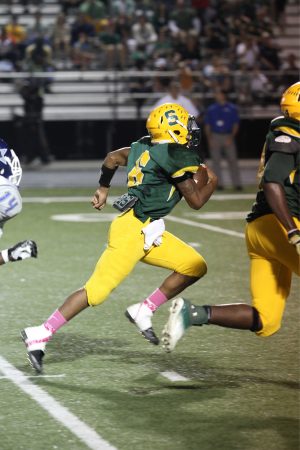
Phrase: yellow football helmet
(168, 123)
(290, 102)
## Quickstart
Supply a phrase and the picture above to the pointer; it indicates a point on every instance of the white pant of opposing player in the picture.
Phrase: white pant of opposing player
(10, 201)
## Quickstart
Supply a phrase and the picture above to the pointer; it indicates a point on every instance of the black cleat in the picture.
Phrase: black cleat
(35, 357)
(148, 334)
(36, 360)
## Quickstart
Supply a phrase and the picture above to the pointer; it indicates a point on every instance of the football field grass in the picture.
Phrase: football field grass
(104, 386)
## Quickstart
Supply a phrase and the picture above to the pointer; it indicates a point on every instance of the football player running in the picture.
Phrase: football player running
(11, 204)
(161, 169)
(272, 237)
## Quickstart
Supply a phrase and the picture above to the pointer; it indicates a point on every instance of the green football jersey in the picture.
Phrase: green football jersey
(153, 170)
(281, 165)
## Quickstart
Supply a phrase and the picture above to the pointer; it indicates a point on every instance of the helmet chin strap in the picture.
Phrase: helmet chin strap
(173, 136)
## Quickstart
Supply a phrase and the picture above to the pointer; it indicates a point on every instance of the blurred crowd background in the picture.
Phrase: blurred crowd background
(204, 45)
(212, 37)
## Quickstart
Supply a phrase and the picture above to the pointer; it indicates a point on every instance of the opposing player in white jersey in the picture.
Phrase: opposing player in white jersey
(11, 203)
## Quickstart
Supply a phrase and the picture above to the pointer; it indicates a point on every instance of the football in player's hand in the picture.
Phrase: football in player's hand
(201, 176)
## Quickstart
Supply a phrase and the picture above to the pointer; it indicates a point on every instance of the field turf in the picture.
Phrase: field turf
(237, 391)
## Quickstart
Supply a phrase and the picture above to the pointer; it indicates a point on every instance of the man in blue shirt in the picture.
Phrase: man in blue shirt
(221, 126)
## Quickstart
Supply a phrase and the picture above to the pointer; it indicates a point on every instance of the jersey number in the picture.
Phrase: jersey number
(135, 176)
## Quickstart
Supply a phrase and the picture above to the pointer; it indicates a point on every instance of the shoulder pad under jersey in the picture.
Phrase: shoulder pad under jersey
(283, 143)
(146, 140)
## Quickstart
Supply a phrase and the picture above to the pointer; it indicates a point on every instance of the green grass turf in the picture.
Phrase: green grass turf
(242, 392)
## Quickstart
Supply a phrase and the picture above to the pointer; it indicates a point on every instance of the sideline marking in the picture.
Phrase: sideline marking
(85, 217)
(219, 215)
(174, 376)
(112, 198)
(171, 218)
(36, 376)
(66, 199)
(205, 226)
(86, 434)
(94, 217)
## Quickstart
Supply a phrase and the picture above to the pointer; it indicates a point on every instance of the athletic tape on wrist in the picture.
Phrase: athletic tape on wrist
(106, 176)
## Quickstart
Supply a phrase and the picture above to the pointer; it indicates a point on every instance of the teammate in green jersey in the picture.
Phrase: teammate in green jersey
(161, 169)
(272, 237)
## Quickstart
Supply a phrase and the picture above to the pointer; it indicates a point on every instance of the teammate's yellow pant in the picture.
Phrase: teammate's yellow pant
(273, 260)
(125, 249)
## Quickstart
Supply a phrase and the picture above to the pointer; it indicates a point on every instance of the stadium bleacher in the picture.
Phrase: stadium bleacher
(103, 95)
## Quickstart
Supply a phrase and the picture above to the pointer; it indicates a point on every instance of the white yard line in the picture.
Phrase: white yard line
(86, 434)
(174, 376)
(69, 199)
(36, 376)
(205, 226)
(111, 198)
(171, 218)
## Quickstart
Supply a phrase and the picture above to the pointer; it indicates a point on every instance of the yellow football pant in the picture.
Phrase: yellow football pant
(273, 260)
(125, 249)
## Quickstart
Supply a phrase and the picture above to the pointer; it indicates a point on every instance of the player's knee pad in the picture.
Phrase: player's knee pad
(10, 201)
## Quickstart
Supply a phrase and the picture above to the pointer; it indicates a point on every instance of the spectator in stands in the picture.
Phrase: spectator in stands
(221, 127)
(260, 86)
(122, 7)
(215, 41)
(143, 33)
(80, 25)
(8, 54)
(160, 17)
(110, 42)
(141, 86)
(268, 53)
(37, 29)
(66, 5)
(183, 20)
(163, 47)
(17, 35)
(279, 7)
(187, 50)
(290, 71)
(146, 7)
(185, 77)
(39, 59)
(242, 86)
(201, 7)
(83, 52)
(174, 95)
(39, 56)
(61, 37)
(94, 11)
(247, 52)
(216, 75)
(14, 31)
(263, 20)
(123, 27)
(34, 137)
